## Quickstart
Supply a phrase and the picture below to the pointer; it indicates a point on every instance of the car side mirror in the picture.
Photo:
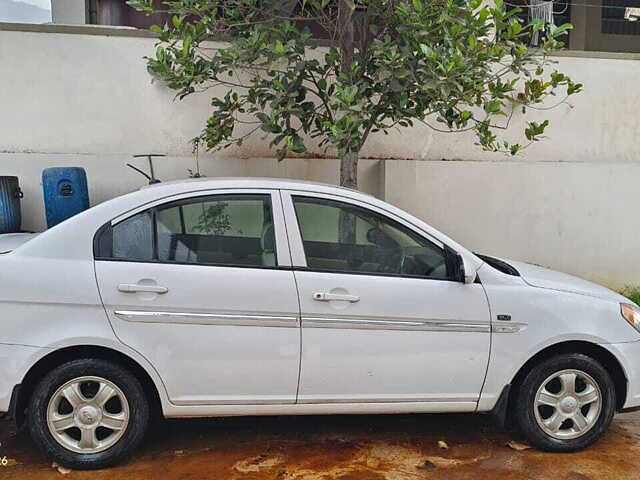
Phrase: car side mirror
(469, 275)
(456, 268)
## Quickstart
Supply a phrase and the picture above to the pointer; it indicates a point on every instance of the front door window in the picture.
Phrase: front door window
(340, 237)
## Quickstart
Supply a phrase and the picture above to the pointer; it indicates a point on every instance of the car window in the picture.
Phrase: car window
(215, 230)
(133, 238)
(342, 237)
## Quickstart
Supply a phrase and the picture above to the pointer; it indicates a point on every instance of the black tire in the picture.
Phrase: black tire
(119, 376)
(524, 408)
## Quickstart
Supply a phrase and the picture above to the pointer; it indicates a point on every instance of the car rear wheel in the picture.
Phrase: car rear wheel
(88, 414)
(565, 403)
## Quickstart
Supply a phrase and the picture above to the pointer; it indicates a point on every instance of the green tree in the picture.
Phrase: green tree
(381, 64)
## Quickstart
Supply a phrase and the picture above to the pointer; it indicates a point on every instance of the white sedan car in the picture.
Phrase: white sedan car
(224, 297)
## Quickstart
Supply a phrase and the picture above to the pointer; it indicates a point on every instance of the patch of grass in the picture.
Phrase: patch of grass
(632, 293)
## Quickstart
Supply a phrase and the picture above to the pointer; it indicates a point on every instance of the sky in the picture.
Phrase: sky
(46, 4)
(25, 11)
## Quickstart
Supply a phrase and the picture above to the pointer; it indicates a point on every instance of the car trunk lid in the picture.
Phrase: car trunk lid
(11, 241)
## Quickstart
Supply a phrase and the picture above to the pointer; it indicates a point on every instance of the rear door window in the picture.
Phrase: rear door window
(213, 230)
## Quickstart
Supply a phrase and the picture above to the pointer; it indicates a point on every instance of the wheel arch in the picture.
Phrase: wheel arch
(53, 359)
(593, 350)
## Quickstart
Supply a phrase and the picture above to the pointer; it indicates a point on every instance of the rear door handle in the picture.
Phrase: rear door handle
(134, 288)
(327, 297)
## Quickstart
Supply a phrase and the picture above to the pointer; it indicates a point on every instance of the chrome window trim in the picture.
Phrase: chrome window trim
(206, 192)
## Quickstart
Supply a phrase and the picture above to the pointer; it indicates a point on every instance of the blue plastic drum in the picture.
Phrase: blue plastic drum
(65, 193)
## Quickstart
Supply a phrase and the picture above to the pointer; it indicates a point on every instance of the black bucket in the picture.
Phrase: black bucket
(10, 195)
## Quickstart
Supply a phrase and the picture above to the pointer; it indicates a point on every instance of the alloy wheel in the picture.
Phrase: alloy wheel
(568, 404)
(88, 414)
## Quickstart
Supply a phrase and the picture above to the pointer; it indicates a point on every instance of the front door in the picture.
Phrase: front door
(196, 286)
(381, 320)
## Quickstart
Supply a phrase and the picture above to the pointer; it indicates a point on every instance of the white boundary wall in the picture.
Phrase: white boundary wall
(76, 98)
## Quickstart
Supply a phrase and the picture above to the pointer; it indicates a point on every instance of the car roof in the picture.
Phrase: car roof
(192, 185)
(250, 182)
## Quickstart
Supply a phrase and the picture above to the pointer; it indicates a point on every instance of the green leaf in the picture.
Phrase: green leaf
(556, 31)
(493, 106)
(186, 45)
(534, 129)
(298, 145)
(426, 50)
(537, 25)
(574, 88)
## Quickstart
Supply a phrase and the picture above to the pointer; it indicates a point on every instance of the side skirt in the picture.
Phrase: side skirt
(174, 411)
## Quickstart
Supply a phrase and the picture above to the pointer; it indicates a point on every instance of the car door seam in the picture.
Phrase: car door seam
(295, 282)
(486, 371)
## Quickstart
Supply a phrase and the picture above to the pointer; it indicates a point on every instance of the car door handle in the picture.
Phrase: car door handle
(134, 288)
(327, 297)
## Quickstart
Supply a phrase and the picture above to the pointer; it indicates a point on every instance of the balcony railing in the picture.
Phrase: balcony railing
(598, 25)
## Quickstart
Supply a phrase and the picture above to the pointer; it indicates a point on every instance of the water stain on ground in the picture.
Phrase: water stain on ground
(383, 447)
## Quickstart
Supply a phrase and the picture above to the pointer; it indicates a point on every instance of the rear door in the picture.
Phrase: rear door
(381, 319)
(196, 285)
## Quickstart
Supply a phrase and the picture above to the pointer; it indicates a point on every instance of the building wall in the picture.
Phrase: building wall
(69, 12)
(71, 96)
(574, 217)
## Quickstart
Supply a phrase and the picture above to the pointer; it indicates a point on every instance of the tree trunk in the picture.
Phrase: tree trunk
(349, 170)
(349, 159)
(346, 34)
(349, 179)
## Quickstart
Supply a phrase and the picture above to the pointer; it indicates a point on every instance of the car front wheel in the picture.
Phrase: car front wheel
(565, 403)
(88, 414)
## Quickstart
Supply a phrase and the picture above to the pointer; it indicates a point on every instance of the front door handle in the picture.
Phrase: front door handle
(135, 288)
(327, 297)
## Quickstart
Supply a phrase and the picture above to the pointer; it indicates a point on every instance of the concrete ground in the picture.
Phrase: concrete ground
(379, 447)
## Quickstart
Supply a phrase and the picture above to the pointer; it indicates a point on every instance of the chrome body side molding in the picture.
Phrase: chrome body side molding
(207, 318)
(392, 324)
(508, 327)
(316, 322)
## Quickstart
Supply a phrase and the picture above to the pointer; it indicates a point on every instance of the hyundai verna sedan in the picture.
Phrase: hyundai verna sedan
(222, 297)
